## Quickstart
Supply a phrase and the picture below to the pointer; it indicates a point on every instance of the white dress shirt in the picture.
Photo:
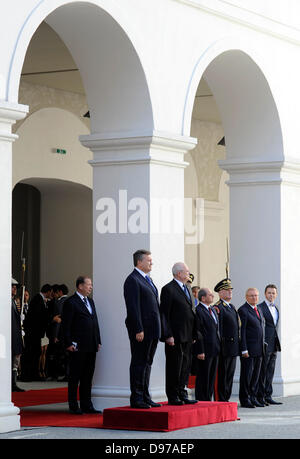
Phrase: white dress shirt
(273, 311)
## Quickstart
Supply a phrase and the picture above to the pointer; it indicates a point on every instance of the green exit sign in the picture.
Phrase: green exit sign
(60, 151)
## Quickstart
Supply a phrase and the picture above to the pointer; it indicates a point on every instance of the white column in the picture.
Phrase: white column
(133, 174)
(265, 248)
(9, 114)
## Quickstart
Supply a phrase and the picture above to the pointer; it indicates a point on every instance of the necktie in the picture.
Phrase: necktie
(87, 305)
(151, 283)
(257, 313)
(148, 280)
(212, 314)
(185, 289)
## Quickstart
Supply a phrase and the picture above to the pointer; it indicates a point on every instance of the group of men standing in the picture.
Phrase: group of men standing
(200, 337)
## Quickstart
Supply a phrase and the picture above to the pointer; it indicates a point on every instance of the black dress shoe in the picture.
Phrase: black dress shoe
(247, 405)
(153, 404)
(75, 410)
(187, 401)
(270, 401)
(140, 405)
(263, 401)
(176, 402)
(255, 402)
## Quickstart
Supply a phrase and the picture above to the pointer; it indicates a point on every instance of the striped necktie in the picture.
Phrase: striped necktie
(87, 304)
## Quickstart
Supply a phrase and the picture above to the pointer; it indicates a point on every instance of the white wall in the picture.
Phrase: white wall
(65, 183)
(41, 133)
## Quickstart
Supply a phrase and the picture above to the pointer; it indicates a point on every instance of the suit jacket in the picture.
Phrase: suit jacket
(79, 326)
(271, 336)
(252, 330)
(142, 307)
(210, 344)
(36, 320)
(229, 326)
(57, 328)
(177, 314)
(16, 330)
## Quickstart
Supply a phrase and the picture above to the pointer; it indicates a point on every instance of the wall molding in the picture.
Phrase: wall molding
(247, 18)
(138, 148)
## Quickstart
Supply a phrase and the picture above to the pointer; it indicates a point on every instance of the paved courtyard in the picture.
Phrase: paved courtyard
(272, 422)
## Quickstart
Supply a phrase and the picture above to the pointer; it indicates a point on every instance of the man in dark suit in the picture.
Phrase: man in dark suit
(230, 343)
(35, 325)
(82, 340)
(143, 326)
(207, 348)
(178, 331)
(271, 316)
(57, 364)
(252, 349)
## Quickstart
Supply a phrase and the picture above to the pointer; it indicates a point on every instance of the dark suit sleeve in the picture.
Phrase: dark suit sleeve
(243, 316)
(198, 347)
(67, 318)
(132, 300)
(97, 328)
(165, 311)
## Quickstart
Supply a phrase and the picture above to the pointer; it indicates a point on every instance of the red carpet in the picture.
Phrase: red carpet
(40, 418)
(40, 397)
(163, 419)
(168, 418)
(59, 419)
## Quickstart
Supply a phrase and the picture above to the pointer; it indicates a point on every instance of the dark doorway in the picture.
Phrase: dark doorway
(26, 205)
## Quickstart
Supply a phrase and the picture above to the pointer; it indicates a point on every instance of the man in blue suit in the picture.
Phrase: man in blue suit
(143, 326)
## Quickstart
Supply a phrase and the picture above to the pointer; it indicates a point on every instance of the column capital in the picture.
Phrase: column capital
(138, 148)
(9, 114)
(244, 172)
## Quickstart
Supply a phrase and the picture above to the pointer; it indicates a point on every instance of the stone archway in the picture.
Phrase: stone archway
(118, 100)
(254, 160)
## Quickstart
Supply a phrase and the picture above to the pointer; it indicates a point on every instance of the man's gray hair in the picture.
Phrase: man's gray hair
(179, 266)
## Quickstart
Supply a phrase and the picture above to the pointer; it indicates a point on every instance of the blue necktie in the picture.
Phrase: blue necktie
(148, 280)
(150, 283)
(186, 291)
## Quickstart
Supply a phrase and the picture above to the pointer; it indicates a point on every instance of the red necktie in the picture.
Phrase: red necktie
(257, 313)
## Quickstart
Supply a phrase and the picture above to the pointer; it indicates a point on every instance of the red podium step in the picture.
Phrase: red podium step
(168, 417)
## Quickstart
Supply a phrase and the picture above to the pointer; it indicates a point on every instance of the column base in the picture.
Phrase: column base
(9, 418)
(107, 397)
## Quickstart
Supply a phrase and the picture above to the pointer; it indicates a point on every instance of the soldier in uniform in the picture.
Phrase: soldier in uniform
(230, 336)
